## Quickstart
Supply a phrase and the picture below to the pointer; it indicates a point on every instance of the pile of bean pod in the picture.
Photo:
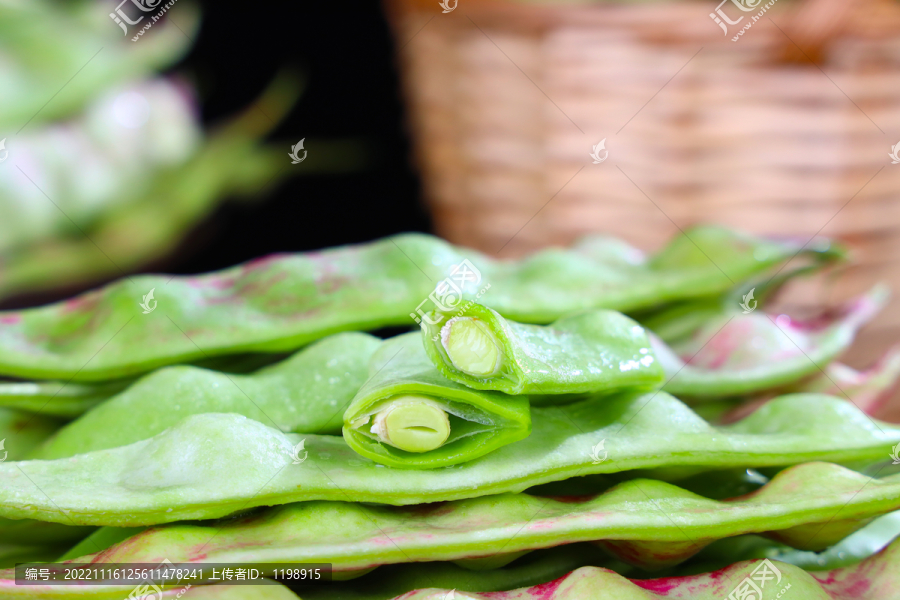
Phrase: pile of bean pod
(586, 422)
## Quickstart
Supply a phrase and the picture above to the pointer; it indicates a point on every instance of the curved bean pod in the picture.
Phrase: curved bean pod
(876, 579)
(877, 575)
(176, 475)
(868, 390)
(280, 303)
(307, 392)
(21, 433)
(12, 554)
(28, 532)
(444, 423)
(56, 398)
(595, 351)
(548, 564)
(744, 354)
(534, 568)
(644, 522)
(859, 545)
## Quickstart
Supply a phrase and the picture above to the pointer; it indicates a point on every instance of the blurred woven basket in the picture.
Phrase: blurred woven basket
(508, 98)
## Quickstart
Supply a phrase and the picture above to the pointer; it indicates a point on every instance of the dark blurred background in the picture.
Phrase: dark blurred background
(345, 54)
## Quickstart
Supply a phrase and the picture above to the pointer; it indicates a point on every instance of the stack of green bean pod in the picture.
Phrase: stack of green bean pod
(580, 423)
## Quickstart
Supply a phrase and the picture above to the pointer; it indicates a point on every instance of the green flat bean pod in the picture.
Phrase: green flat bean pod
(644, 522)
(11, 554)
(545, 565)
(29, 532)
(677, 321)
(536, 567)
(858, 546)
(408, 415)
(21, 433)
(100, 539)
(594, 351)
(56, 398)
(533, 568)
(717, 485)
(868, 389)
(874, 579)
(551, 578)
(176, 475)
(307, 392)
(280, 303)
(746, 354)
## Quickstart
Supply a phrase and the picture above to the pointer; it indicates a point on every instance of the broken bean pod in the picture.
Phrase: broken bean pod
(600, 351)
(408, 415)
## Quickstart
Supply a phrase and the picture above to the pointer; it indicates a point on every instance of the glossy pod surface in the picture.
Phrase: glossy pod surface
(738, 354)
(480, 421)
(175, 475)
(307, 392)
(595, 351)
(643, 522)
(280, 303)
(877, 578)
